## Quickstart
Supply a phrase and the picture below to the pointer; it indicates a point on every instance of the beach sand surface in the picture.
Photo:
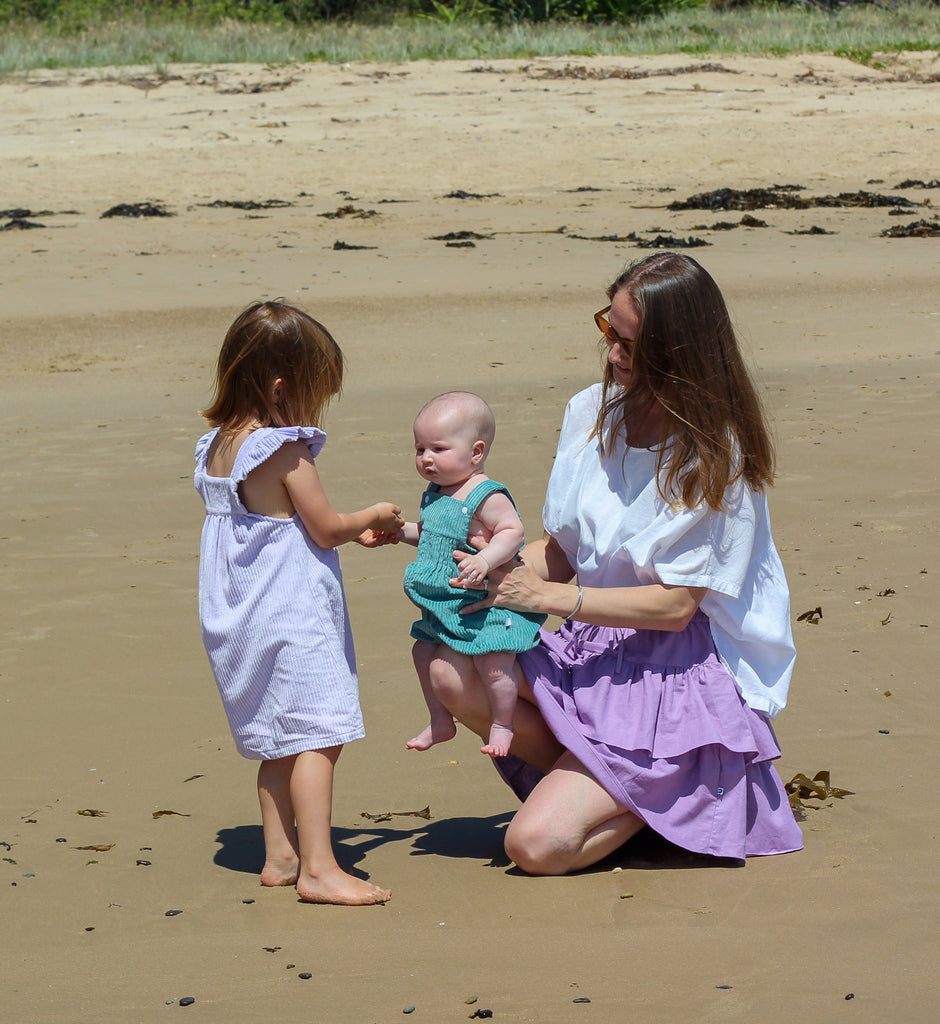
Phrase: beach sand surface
(109, 328)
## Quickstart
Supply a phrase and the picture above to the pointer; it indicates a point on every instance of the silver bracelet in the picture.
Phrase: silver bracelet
(574, 611)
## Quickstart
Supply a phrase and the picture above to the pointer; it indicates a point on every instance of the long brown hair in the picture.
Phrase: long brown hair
(687, 361)
(272, 340)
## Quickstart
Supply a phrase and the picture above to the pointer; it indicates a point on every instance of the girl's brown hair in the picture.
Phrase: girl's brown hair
(268, 341)
(687, 361)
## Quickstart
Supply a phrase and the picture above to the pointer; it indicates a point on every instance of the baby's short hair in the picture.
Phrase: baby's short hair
(469, 409)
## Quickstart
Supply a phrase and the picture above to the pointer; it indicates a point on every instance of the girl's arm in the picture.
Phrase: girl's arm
(327, 527)
(540, 585)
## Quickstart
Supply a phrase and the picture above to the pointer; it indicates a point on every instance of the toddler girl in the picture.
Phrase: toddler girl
(271, 602)
(469, 518)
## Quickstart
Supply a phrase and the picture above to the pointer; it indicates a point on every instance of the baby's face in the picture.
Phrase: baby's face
(445, 451)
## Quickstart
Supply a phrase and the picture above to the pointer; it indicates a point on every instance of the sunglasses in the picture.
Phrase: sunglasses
(603, 325)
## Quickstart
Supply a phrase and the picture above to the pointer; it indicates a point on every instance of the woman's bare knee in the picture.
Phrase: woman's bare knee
(532, 850)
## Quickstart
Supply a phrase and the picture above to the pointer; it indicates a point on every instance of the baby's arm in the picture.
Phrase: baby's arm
(327, 527)
(408, 534)
(501, 523)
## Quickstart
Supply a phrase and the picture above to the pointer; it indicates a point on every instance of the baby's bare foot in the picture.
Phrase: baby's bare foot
(280, 873)
(338, 888)
(499, 741)
(436, 732)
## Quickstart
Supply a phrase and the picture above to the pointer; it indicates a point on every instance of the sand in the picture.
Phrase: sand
(109, 328)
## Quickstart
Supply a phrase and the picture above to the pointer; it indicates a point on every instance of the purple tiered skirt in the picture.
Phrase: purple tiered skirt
(656, 718)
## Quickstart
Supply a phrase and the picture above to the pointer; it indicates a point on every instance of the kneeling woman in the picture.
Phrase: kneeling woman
(652, 704)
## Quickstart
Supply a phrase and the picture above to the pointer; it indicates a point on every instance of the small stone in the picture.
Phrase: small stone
(172, 913)
(482, 1014)
(306, 975)
(90, 928)
(61, 840)
(143, 863)
(626, 895)
(724, 986)
(187, 1001)
(248, 901)
(616, 870)
(408, 1009)
(885, 732)
(290, 967)
(581, 999)
(850, 995)
(470, 1000)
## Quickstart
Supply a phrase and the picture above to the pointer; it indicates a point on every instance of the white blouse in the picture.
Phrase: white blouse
(616, 530)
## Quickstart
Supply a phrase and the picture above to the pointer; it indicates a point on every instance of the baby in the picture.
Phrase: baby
(470, 520)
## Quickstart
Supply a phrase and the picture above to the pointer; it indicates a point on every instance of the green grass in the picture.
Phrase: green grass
(862, 32)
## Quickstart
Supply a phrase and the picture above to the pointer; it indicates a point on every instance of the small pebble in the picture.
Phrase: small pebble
(581, 999)
(724, 986)
(626, 895)
(306, 975)
(885, 732)
(408, 1009)
(143, 863)
(90, 928)
(248, 901)
(61, 840)
(187, 1001)
(290, 967)
(483, 1014)
(172, 913)
(850, 995)
(471, 1000)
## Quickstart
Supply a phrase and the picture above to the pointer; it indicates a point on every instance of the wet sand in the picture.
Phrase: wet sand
(109, 328)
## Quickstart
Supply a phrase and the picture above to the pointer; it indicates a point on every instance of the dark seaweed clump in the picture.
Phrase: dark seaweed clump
(338, 245)
(670, 242)
(247, 204)
(458, 236)
(744, 199)
(20, 224)
(916, 229)
(137, 210)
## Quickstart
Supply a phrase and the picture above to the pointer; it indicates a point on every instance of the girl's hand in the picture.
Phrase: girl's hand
(513, 585)
(377, 538)
(387, 518)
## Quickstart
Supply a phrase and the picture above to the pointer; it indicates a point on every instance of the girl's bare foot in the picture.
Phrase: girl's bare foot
(280, 872)
(336, 887)
(439, 731)
(499, 741)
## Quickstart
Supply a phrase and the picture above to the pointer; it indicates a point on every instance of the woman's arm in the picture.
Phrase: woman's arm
(541, 585)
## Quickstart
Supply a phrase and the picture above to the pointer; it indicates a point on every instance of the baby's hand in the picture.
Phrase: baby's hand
(387, 518)
(472, 568)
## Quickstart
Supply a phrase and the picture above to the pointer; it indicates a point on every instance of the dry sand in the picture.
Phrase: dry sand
(109, 328)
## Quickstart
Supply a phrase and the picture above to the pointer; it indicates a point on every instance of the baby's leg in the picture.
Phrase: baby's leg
(442, 726)
(281, 859)
(500, 677)
(321, 879)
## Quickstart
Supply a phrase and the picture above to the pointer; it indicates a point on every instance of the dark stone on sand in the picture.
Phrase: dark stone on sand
(137, 210)
(306, 975)
(581, 999)
(61, 840)
(248, 901)
(172, 913)
(482, 1014)
(850, 995)
(143, 863)
(90, 928)
(408, 1009)
(187, 1001)
(885, 732)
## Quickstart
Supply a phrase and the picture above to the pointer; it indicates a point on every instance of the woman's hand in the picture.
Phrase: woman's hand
(513, 585)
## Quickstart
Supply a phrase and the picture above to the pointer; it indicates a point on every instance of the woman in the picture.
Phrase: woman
(652, 704)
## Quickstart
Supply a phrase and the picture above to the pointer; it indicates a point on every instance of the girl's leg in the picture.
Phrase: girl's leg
(281, 859)
(442, 726)
(321, 879)
(457, 686)
(568, 822)
(500, 677)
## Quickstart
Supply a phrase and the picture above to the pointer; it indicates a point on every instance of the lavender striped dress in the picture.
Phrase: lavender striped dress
(273, 615)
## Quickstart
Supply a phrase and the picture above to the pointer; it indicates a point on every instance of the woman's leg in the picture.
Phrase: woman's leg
(457, 686)
(281, 858)
(442, 726)
(568, 822)
(321, 879)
